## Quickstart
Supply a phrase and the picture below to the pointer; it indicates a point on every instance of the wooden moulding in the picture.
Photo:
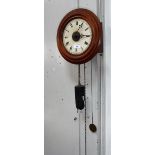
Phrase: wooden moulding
(95, 44)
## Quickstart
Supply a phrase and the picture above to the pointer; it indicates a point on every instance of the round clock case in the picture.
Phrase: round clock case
(96, 32)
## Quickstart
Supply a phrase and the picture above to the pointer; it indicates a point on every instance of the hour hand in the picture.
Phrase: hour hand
(84, 35)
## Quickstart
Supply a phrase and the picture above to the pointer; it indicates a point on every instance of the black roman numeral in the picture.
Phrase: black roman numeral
(80, 26)
(76, 22)
(67, 43)
(86, 28)
(87, 35)
(86, 43)
(71, 25)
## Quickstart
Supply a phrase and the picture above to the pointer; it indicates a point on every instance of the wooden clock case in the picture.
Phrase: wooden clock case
(96, 42)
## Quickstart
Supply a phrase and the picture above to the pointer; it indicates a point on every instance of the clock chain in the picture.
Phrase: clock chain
(79, 75)
(79, 92)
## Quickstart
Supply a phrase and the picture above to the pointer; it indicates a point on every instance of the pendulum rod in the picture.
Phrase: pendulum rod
(85, 111)
(92, 92)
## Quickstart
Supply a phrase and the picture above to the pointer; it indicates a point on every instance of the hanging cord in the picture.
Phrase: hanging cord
(79, 75)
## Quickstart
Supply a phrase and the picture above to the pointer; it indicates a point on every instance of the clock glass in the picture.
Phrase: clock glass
(77, 36)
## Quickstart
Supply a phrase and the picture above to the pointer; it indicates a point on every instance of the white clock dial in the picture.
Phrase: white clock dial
(77, 36)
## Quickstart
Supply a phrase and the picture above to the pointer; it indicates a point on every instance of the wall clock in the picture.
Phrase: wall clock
(79, 36)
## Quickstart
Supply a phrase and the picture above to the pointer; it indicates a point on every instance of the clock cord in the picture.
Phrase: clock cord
(79, 75)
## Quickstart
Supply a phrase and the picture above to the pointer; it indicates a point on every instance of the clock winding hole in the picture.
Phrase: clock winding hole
(76, 36)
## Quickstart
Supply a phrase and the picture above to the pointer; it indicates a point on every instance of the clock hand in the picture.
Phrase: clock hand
(87, 35)
(84, 35)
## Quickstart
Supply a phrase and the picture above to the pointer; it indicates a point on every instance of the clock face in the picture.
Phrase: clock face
(77, 36)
